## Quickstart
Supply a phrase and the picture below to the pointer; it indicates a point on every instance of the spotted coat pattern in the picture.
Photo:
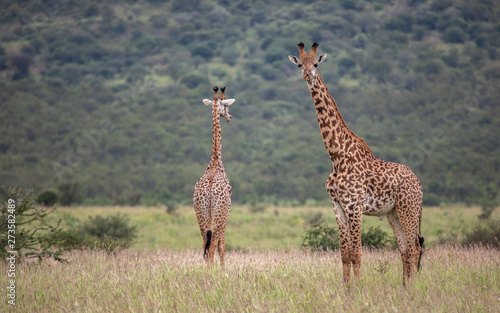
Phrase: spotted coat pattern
(212, 192)
(361, 183)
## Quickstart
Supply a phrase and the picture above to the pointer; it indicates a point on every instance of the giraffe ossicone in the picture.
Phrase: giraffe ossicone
(361, 183)
(212, 192)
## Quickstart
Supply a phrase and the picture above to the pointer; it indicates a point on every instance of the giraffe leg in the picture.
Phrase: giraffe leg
(409, 224)
(221, 247)
(345, 240)
(355, 232)
(204, 222)
(393, 219)
(211, 249)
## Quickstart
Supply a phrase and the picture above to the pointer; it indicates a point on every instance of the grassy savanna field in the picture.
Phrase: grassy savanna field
(274, 228)
(265, 269)
(452, 280)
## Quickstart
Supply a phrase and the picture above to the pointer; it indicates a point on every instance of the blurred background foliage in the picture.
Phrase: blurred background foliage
(102, 100)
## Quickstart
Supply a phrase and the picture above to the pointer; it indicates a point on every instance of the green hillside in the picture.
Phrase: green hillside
(109, 95)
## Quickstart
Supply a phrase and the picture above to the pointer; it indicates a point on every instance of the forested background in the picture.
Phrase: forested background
(105, 97)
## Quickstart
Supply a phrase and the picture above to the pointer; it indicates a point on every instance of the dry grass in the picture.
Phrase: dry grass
(452, 280)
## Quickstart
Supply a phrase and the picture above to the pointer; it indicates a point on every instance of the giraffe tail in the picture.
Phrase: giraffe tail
(420, 239)
(209, 240)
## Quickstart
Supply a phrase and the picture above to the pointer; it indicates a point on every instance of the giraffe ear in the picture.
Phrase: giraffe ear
(321, 58)
(294, 59)
(227, 102)
(208, 102)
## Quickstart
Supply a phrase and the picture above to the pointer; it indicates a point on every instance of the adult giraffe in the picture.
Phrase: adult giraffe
(212, 192)
(361, 183)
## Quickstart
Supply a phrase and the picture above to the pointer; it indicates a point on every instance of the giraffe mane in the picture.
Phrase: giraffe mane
(359, 139)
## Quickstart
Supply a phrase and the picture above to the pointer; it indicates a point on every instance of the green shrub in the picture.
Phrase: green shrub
(92, 10)
(100, 233)
(192, 80)
(429, 20)
(440, 5)
(320, 237)
(379, 68)
(34, 238)
(257, 207)
(172, 207)
(202, 51)
(47, 197)
(454, 34)
(230, 55)
(430, 67)
(400, 24)
(486, 232)
(158, 21)
(345, 64)
(376, 238)
(114, 226)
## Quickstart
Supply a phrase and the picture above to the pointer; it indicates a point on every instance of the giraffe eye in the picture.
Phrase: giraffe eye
(300, 65)
(316, 65)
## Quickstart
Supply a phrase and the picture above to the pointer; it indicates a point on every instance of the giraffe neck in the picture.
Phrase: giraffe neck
(339, 140)
(216, 136)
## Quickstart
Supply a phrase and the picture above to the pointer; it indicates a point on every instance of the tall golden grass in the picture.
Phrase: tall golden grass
(452, 279)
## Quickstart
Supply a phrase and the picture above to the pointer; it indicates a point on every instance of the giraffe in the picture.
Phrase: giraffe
(212, 192)
(361, 183)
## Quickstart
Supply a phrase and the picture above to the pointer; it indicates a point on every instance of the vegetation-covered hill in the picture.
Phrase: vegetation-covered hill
(108, 94)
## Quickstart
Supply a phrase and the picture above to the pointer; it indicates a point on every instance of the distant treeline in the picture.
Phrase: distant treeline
(107, 96)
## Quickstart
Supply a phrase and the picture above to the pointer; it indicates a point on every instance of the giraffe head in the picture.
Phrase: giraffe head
(307, 62)
(222, 104)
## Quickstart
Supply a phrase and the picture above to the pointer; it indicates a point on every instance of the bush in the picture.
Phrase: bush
(107, 233)
(92, 10)
(257, 207)
(34, 238)
(21, 64)
(376, 238)
(485, 232)
(454, 34)
(431, 67)
(440, 5)
(47, 197)
(320, 237)
(192, 80)
(379, 68)
(113, 226)
(202, 51)
(230, 55)
(172, 207)
(429, 20)
(399, 24)
(345, 64)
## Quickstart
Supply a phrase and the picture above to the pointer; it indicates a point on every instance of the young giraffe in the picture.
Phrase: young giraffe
(212, 192)
(361, 183)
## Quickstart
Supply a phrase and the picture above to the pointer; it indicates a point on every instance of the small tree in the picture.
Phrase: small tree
(31, 236)
(69, 193)
(487, 198)
(47, 197)
(454, 34)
